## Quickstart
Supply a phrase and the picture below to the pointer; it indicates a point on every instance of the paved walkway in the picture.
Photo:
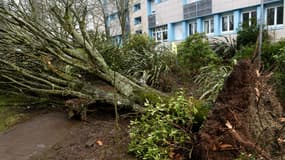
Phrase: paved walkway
(32, 137)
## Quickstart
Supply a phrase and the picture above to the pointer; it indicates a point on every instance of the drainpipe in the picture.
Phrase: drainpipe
(260, 31)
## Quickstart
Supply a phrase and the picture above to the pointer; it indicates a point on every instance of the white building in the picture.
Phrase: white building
(174, 20)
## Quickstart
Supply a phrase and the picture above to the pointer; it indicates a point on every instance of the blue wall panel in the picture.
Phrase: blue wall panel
(217, 28)
(237, 20)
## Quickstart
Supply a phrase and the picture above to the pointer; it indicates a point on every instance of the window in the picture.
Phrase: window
(209, 26)
(138, 20)
(138, 31)
(137, 7)
(227, 23)
(192, 28)
(270, 16)
(280, 15)
(274, 16)
(159, 34)
(249, 18)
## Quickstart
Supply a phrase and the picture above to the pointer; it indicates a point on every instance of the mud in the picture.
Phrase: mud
(52, 136)
(245, 119)
(34, 136)
(107, 141)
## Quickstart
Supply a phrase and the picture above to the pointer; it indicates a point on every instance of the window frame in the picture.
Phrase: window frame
(250, 17)
(137, 20)
(160, 34)
(193, 30)
(275, 16)
(136, 7)
(228, 24)
(211, 26)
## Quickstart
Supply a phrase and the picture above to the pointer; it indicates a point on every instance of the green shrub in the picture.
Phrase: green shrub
(279, 75)
(225, 47)
(165, 128)
(139, 43)
(270, 51)
(245, 52)
(211, 80)
(195, 52)
(247, 35)
(112, 53)
(145, 62)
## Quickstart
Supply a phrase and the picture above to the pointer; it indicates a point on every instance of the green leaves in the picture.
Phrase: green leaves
(195, 52)
(164, 128)
(211, 80)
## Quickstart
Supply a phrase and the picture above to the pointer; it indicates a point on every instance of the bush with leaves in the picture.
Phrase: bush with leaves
(164, 129)
(225, 47)
(279, 75)
(111, 52)
(248, 35)
(270, 51)
(211, 80)
(195, 52)
(245, 52)
(145, 62)
(139, 43)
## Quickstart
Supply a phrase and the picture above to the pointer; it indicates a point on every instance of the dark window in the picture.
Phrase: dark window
(137, 7)
(231, 22)
(245, 18)
(192, 28)
(279, 15)
(270, 16)
(138, 20)
(253, 18)
(138, 31)
(224, 23)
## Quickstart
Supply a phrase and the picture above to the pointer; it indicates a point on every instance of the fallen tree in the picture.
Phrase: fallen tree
(55, 56)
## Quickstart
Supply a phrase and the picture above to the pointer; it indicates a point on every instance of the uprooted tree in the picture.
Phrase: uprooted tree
(247, 119)
(55, 55)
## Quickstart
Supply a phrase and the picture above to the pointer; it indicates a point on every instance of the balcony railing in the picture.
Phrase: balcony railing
(151, 21)
(197, 9)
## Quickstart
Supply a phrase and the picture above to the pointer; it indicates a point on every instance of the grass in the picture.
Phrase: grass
(13, 109)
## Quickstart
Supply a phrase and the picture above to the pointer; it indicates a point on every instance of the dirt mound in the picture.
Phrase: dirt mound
(245, 119)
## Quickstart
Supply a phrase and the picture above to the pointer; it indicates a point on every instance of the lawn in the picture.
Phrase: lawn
(13, 109)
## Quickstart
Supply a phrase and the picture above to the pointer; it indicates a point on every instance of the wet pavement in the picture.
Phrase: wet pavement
(34, 136)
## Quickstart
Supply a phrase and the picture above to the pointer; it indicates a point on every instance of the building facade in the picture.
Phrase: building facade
(175, 20)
